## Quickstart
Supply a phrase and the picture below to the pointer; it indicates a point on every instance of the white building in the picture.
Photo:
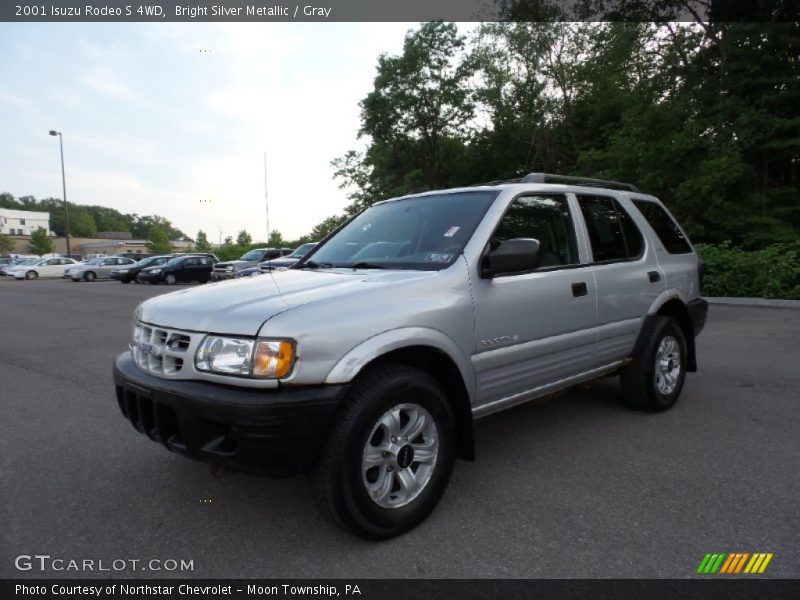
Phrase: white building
(22, 222)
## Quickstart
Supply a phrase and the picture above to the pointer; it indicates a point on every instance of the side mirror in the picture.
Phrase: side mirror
(512, 256)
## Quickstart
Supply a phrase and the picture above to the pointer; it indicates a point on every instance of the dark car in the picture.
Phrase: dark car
(130, 272)
(285, 262)
(180, 269)
(229, 269)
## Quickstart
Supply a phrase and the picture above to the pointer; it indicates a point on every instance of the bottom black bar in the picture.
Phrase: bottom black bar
(734, 588)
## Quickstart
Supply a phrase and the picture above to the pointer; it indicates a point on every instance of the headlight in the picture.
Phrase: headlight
(271, 359)
(156, 271)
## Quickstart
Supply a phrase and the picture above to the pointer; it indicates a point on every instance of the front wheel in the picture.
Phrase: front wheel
(169, 279)
(389, 455)
(31, 275)
(654, 380)
(90, 276)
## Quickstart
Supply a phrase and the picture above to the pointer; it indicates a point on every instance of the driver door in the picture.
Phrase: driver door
(538, 327)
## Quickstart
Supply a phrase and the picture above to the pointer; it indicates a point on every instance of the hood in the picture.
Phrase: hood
(241, 306)
(235, 263)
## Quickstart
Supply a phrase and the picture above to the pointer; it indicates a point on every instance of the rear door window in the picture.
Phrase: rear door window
(612, 233)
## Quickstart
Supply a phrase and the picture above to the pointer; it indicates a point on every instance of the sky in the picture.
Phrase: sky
(174, 119)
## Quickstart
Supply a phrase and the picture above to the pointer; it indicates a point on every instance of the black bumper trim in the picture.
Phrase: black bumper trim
(698, 312)
(270, 432)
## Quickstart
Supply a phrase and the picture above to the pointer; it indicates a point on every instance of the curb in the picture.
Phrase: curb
(765, 302)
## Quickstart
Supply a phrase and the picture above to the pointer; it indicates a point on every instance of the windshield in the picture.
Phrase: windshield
(94, 261)
(424, 233)
(28, 261)
(150, 260)
(174, 261)
(252, 255)
(302, 250)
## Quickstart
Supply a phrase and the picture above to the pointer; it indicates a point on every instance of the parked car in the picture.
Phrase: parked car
(130, 273)
(96, 268)
(228, 269)
(366, 363)
(180, 269)
(285, 262)
(15, 262)
(44, 267)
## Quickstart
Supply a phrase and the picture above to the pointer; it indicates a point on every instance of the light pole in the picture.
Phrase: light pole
(64, 185)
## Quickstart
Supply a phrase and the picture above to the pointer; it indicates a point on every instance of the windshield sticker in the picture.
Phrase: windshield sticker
(452, 231)
(438, 258)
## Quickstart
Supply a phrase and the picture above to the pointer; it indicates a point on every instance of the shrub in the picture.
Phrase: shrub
(773, 272)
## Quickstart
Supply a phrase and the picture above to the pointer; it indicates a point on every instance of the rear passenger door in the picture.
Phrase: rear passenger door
(534, 328)
(626, 273)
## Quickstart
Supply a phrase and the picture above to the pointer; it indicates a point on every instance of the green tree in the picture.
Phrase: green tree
(244, 238)
(201, 243)
(40, 242)
(6, 245)
(158, 241)
(275, 239)
(417, 119)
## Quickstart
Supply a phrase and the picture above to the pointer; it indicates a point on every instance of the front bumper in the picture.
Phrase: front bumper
(269, 432)
(698, 312)
(122, 275)
(222, 275)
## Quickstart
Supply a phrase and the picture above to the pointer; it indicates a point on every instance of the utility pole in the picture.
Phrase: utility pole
(64, 186)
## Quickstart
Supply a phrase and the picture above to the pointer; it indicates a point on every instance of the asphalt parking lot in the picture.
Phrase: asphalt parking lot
(575, 487)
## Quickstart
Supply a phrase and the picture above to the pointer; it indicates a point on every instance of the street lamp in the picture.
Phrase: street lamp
(64, 184)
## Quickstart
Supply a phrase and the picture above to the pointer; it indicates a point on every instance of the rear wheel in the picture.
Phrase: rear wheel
(31, 275)
(654, 380)
(390, 453)
(90, 276)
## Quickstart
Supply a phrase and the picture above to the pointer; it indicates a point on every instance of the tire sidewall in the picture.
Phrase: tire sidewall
(369, 516)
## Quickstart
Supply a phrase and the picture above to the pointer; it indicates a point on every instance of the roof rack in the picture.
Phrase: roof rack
(566, 179)
(569, 179)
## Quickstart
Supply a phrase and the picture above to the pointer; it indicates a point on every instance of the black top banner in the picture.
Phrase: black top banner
(398, 10)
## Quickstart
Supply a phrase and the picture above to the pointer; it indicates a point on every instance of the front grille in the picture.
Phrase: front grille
(160, 351)
(157, 421)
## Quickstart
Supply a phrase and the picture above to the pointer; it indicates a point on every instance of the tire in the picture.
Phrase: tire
(654, 380)
(340, 478)
(169, 279)
(31, 275)
(125, 280)
(89, 276)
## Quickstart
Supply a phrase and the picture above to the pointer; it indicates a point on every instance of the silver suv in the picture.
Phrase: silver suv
(365, 364)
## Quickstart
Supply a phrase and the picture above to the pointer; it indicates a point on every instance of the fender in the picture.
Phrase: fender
(686, 324)
(351, 363)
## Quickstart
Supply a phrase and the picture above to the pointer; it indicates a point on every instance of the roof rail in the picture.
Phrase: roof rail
(571, 180)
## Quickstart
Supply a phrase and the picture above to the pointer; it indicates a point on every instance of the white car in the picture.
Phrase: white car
(43, 267)
(97, 268)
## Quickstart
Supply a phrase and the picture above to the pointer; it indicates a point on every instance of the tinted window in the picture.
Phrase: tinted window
(543, 218)
(612, 232)
(665, 227)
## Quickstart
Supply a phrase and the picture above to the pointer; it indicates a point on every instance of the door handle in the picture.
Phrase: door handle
(579, 289)
(654, 276)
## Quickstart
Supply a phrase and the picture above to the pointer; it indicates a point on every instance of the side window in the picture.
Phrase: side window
(665, 227)
(544, 218)
(612, 232)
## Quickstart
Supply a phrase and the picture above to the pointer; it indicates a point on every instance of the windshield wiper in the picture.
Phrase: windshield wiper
(367, 265)
(315, 265)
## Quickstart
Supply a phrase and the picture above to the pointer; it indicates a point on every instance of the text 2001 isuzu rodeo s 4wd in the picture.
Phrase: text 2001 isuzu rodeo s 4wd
(366, 363)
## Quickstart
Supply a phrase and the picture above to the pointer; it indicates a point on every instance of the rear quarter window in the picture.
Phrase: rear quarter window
(665, 227)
